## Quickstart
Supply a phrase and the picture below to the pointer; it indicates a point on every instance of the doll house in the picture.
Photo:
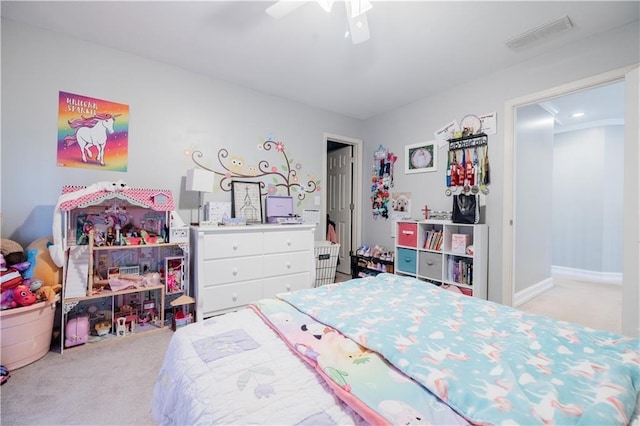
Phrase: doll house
(118, 245)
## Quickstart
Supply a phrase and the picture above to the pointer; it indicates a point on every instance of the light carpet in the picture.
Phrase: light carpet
(107, 383)
(594, 305)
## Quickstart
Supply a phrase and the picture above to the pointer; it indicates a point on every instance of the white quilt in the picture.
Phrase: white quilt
(233, 369)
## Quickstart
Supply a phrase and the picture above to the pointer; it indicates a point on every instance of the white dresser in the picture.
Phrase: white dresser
(236, 265)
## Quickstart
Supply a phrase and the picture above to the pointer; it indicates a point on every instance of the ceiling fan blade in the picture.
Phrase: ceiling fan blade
(358, 26)
(283, 7)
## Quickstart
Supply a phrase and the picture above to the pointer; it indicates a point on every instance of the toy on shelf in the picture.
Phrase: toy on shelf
(103, 328)
(179, 306)
(149, 312)
(121, 327)
(77, 331)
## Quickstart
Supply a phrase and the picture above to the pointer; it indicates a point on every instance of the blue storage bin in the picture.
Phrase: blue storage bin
(406, 260)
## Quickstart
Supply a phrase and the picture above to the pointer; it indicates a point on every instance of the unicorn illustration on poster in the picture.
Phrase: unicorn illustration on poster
(92, 133)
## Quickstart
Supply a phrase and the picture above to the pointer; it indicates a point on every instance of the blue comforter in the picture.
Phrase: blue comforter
(489, 362)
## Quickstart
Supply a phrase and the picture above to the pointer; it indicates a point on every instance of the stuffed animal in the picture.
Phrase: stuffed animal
(48, 293)
(31, 259)
(23, 296)
(10, 278)
(12, 251)
(7, 300)
(32, 284)
(43, 267)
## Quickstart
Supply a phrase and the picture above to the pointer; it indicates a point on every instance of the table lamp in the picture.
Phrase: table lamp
(202, 181)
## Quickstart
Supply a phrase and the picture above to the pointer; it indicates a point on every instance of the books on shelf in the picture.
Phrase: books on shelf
(433, 239)
(460, 271)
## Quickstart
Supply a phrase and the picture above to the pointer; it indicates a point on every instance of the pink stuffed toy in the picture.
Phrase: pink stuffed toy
(23, 296)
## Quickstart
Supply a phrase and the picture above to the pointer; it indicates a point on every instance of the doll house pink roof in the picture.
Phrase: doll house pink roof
(155, 199)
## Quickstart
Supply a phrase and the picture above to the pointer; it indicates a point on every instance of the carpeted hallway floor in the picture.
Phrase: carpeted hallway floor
(592, 304)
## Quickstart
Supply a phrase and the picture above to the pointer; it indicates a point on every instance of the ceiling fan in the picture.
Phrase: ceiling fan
(358, 27)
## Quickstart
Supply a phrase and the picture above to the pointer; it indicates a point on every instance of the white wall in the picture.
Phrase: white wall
(170, 110)
(587, 199)
(417, 122)
(533, 196)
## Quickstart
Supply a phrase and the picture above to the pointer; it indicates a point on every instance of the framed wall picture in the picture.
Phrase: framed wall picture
(421, 157)
(246, 201)
(173, 274)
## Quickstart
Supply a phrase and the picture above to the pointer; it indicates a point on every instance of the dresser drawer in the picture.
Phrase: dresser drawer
(231, 270)
(218, 246)
(286, 241)
(406, 260)
(230, 296)
(286, 263)
(430, 265)
(285, 283)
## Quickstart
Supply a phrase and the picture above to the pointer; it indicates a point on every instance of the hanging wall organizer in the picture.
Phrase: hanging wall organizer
(468, 168)
(381, 181)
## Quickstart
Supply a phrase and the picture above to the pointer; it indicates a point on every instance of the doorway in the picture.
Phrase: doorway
(512, 249)
(568, 194)
(342, 160)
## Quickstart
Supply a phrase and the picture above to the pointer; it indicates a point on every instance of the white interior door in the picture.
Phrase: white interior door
(339, 202)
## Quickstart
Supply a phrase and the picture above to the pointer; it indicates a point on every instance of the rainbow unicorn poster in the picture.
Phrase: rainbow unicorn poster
(92, 133)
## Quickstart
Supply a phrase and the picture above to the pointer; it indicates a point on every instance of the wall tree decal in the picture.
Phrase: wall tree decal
(273, 179)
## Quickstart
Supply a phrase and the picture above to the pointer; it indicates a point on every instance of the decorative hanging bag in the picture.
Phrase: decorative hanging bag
(466, 209)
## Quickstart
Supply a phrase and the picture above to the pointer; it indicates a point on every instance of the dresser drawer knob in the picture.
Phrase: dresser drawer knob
(288, 287)
(235, 271)
(288, 242)
(235, 246)
(288, 265)
(235, 297)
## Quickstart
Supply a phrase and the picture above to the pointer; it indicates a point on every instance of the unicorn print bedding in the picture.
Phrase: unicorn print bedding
(396, 350)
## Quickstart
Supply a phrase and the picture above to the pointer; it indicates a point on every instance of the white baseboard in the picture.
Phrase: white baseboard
(530, 292)
(521, 297)
(585, 275)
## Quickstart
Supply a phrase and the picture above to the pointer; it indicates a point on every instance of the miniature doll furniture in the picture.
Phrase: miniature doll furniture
(77, 331)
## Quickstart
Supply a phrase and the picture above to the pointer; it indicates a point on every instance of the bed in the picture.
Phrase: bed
(394, 350)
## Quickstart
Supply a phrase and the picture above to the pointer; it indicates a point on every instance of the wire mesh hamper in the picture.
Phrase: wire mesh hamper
(326, 255)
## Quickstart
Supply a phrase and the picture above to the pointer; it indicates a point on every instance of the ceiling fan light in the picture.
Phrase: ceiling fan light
(326, 5)
(359, 30)
(358, 7)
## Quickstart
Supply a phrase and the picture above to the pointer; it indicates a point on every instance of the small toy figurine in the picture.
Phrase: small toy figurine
(172, 285)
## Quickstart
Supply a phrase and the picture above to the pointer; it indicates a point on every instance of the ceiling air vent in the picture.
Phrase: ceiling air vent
(538, 33)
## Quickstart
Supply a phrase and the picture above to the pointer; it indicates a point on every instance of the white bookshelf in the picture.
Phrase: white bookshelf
(418, 256)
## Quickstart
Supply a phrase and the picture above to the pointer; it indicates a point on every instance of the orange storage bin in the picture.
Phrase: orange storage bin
(407, 234)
